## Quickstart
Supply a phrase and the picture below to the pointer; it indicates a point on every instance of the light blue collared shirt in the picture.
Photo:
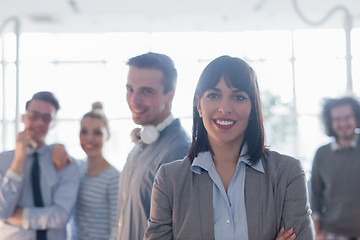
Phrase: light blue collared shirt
(58, 189)
(230, 220)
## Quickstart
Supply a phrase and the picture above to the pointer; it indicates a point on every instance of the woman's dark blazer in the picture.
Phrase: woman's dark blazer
(182, 206)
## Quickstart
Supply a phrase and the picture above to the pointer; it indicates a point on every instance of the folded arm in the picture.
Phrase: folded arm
(57, 214)
(11, 185)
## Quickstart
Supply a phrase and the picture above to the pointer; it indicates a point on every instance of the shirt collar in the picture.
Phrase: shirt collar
(336, 147)
(40, 151)
(204, 161)
(166, 122)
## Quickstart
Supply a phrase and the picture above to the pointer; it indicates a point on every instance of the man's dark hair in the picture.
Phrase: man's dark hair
(46, 97)
(331, 103)
(160, 62)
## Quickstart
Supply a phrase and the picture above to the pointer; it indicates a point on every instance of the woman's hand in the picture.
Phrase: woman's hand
(60, 157)
(288, 235)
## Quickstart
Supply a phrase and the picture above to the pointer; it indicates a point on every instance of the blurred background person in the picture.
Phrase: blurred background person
(36, 198)
(150, 88)
(95, 215)
(335, 179)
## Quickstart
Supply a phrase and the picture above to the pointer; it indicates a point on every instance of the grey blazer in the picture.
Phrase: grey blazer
(182, 208)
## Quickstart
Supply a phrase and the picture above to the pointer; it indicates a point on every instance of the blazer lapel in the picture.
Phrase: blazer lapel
(252, 202)
(205, 185)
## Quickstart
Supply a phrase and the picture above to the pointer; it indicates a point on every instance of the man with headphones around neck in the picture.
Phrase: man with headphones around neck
(150, 90)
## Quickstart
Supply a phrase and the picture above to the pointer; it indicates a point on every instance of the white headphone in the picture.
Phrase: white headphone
(149, 134)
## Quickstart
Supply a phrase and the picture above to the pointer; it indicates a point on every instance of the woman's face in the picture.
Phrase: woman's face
(225, 112)
(93, 134)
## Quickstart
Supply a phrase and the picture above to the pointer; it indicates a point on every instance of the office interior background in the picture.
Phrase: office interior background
(302, 51)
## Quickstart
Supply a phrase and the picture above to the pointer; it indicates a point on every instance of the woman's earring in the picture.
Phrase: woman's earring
(200, 114)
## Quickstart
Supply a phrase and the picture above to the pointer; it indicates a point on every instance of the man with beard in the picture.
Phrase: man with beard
(335, 180)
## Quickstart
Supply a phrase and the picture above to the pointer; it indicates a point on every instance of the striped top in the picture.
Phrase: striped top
(95, 215)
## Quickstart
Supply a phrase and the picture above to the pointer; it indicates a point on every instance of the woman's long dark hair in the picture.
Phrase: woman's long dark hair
(238, 74)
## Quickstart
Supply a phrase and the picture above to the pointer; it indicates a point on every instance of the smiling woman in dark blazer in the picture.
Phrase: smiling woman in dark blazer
(229, 186)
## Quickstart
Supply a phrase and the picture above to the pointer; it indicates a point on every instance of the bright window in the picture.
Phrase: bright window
(295, 71)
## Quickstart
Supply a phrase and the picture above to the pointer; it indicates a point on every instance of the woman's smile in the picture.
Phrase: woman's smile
(224, 124)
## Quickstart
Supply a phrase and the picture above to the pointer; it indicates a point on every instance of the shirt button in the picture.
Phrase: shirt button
(228, 221)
